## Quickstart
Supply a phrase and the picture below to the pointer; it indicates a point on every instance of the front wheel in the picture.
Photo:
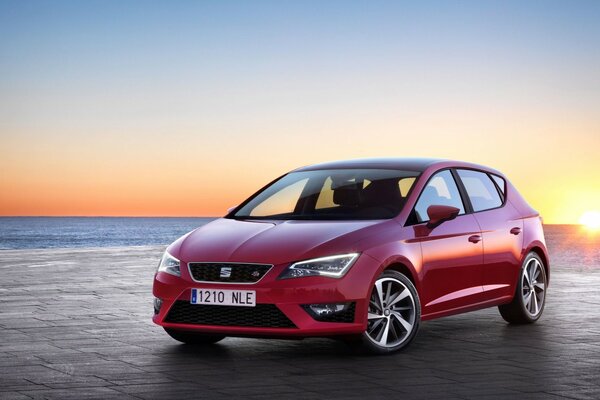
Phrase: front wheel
(530, 295)
(193, 338)
(394, 314)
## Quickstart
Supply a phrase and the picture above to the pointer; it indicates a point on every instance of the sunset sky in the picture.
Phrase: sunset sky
(186, 108)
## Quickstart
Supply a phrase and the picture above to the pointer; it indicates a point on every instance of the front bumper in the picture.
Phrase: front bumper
(288, 297)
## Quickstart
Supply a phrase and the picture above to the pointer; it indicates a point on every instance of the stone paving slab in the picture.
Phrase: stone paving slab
(76, 324)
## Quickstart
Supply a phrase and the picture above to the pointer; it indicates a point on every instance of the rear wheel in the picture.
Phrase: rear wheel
(192, 337)
(530, 296)
(394, 314)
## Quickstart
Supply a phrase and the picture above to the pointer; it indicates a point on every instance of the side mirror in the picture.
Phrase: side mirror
(230, 209)
(439, 214)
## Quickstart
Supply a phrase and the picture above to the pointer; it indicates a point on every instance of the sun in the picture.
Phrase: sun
(591, 220)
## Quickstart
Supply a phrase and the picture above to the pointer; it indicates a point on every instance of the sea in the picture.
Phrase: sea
(70, 232)
(570, 246)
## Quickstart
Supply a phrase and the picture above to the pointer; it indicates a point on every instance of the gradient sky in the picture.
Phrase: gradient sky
(186, 108)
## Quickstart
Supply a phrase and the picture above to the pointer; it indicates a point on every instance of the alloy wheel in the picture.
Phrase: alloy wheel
(391, 316)
(533, 284)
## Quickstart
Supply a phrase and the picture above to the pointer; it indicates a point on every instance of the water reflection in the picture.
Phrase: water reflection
(573, 247)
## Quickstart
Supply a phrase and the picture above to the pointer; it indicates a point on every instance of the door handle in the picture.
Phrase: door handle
(516, 230)
(475, 239)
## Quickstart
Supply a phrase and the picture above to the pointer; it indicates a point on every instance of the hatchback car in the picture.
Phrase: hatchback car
(362, 249)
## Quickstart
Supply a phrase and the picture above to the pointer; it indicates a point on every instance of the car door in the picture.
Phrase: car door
(501, 228)
(452, 252)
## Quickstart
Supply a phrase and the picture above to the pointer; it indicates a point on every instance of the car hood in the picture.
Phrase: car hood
(270, 242)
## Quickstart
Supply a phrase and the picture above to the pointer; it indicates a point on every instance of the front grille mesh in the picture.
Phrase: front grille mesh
(260, 316)
(240, 273)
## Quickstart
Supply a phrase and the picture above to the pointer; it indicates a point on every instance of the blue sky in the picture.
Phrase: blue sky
(84, 84)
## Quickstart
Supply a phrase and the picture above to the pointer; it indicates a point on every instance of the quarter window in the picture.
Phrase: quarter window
(441, 190)
(500, 182)
(481, 190)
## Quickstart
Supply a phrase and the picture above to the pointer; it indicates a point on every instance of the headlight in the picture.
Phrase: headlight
(333, 266)
(169, 264)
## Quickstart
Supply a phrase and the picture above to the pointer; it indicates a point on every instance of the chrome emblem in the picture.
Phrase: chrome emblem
(255, 274)
(225, 272)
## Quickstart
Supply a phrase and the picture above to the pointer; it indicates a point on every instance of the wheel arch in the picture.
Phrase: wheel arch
(542, 254)
(408, 264)
(403, 269)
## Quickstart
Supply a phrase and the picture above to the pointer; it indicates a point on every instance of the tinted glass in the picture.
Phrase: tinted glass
(500, 182)
(441, 190)
(481, 190)
(282, 201)
(344, 194)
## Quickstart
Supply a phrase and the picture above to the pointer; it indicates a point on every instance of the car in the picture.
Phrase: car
(360, 250)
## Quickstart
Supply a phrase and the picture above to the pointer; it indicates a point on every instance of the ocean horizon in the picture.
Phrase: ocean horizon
(76, 232)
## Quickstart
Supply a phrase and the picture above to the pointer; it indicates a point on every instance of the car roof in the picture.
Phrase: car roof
(406, 164)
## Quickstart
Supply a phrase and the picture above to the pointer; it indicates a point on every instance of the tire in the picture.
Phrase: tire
(526, 308)
(391, 328)
(193, 338)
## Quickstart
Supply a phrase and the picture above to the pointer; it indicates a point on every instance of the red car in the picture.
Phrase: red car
(363, 249)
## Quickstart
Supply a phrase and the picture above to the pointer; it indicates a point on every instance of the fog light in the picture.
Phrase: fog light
(324, 310)
(331, 312)
(157, 305)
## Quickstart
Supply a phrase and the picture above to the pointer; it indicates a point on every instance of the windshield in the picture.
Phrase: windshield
(340, 194)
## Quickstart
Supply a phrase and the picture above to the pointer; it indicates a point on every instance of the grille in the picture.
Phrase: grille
(260, 316)
(346, 315)
(240, 273)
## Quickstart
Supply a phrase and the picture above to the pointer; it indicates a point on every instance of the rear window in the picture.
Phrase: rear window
(481, 190)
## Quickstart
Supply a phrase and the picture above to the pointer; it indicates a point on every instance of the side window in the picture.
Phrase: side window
(441, 190)
(481, 190)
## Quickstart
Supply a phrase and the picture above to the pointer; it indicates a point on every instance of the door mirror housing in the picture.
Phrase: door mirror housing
(438, 214)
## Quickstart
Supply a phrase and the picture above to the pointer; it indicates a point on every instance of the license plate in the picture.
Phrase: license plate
(224, 297)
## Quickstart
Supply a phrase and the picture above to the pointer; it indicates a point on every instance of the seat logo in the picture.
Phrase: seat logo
(225, 272)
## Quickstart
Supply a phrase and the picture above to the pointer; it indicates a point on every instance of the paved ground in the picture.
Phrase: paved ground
(76, 324)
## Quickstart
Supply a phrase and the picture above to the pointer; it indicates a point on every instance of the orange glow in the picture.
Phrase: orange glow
(200, 175)
(591, 220)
